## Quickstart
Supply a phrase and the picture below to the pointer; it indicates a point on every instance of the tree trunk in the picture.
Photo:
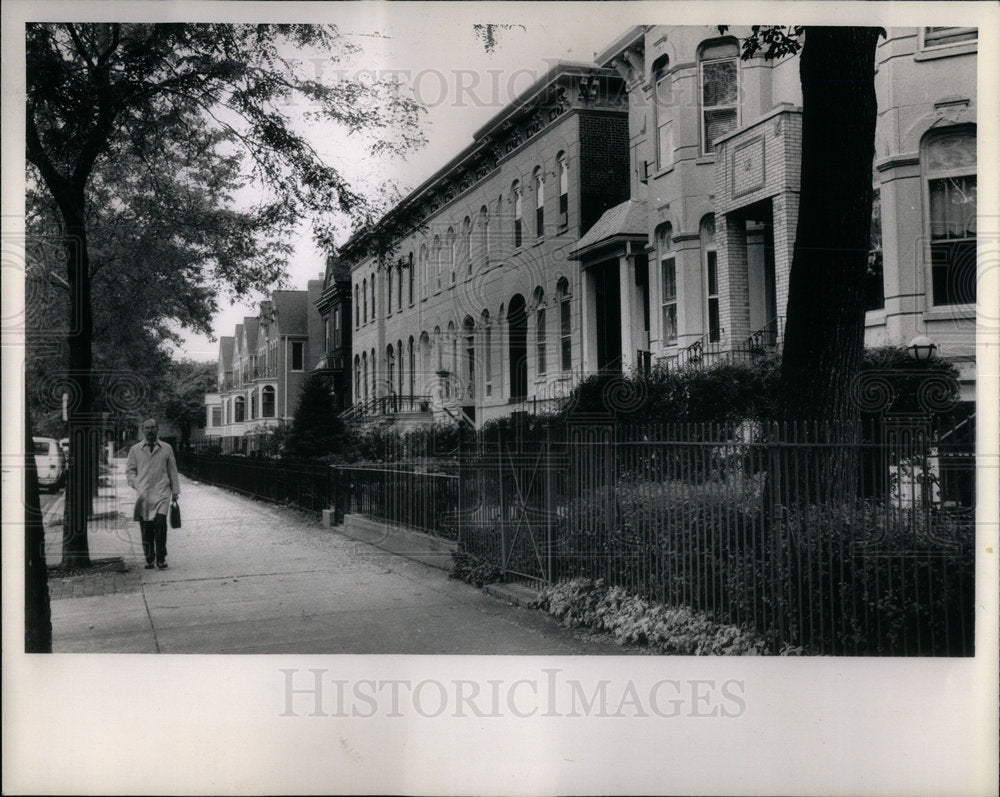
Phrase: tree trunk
(76, 551)
(825, 326)
(37, 613)
(824, 331)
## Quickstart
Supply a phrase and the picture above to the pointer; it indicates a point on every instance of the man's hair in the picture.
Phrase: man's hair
(151, 420)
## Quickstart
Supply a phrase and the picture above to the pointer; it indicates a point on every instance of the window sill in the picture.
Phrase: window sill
(950, 312)
(946, 51)
(667, 169)
(538, 241)
(710, 158)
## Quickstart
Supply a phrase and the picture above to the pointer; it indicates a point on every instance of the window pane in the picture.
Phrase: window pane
(953, 272)
(711, 258)
(714, 328)
(669, 323)
(953, 207)
(665, 144)
(718, 85)
(718, 123)
(669, 280)
(934, 37)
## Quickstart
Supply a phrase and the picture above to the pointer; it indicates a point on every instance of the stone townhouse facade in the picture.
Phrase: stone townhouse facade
(642, 210)
(261, 368)
(702, 249)
(465, 302)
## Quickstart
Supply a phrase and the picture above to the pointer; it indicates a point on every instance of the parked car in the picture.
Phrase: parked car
(64, 445)
(50, 462)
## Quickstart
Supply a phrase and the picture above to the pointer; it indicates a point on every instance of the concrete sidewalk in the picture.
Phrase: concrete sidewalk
(251, 577)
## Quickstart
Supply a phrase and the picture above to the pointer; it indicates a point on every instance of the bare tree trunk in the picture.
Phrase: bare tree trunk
(79, 495)
(37, 613)
(824, 332)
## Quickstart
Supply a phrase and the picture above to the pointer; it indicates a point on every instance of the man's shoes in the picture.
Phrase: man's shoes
(161, 565)
(150, 565)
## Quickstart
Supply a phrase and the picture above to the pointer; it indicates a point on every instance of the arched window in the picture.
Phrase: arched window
(453, 340)
(240, 409)
(437, 255)
(539, 301)
(948, 162)
(484, 235)
(409, 282)
(364, 301)
(539, 178)
(267, 401)
(439, 345)
(711, 265)
(563, 190)
(357, 308)
(515, 194)
(412, 364)
(469, 341)
(662, 100)
(399, 358)
(364, 375)
(425, 362)
(452, 253)
(668, 285)
(565, 325)
(467, 243)
(487, 358)
(374, 295)
(253, 404)
(424, 271)
(388, 291)
(390, 365)
(718, 65)
(357, 378)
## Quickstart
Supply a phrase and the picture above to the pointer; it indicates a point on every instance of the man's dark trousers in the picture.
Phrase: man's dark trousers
(154, 539)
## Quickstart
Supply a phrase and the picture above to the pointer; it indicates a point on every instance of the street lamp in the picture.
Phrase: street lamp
(921, 348)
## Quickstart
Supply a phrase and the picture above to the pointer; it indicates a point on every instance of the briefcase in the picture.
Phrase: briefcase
(175, 516)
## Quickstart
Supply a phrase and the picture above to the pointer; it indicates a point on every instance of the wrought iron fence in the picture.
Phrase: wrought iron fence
(424, 501)
(306, 485)
(833, 541)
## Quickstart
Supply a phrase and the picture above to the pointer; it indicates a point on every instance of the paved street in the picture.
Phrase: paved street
(250, 577)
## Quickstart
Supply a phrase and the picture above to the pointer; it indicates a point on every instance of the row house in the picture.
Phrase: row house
(642, 210)
(261, 369)
(694, 265)
(466, 303)
(334, 309)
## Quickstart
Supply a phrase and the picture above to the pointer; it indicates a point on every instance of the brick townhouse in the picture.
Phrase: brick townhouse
(642, 210)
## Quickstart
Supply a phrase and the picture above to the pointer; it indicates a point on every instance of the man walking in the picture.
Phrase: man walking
(152, 473)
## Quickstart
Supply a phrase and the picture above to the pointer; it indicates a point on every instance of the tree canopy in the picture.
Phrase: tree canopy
(142, 134)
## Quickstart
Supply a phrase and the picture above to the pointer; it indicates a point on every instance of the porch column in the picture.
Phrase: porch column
(734, 298)
(588, 318)
(626, 283)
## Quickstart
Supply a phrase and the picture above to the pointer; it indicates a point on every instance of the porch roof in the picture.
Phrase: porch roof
(628, 221)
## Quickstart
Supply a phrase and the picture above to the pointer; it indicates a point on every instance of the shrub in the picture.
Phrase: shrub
(473, 570)
(631, 620)
(858, 577)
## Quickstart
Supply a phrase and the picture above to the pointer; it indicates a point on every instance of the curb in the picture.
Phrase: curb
(517, 594)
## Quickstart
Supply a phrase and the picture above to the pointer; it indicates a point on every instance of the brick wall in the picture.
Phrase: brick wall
(604, 165)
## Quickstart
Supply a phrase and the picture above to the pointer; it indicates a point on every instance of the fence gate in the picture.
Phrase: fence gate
(513, 502)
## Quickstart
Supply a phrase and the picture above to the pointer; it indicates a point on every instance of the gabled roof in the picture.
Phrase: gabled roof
(627, 221)
(226, 353)
(290, 308)
(250, 325)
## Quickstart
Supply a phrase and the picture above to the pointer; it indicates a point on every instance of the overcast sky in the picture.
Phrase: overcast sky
(461, 85)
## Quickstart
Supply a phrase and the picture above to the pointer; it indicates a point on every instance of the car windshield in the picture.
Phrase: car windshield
(41, 447)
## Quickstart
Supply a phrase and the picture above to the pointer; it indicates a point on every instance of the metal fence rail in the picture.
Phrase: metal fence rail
(844, 542)
(424, 501)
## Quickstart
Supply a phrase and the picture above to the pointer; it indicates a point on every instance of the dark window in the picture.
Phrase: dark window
(297, 356)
